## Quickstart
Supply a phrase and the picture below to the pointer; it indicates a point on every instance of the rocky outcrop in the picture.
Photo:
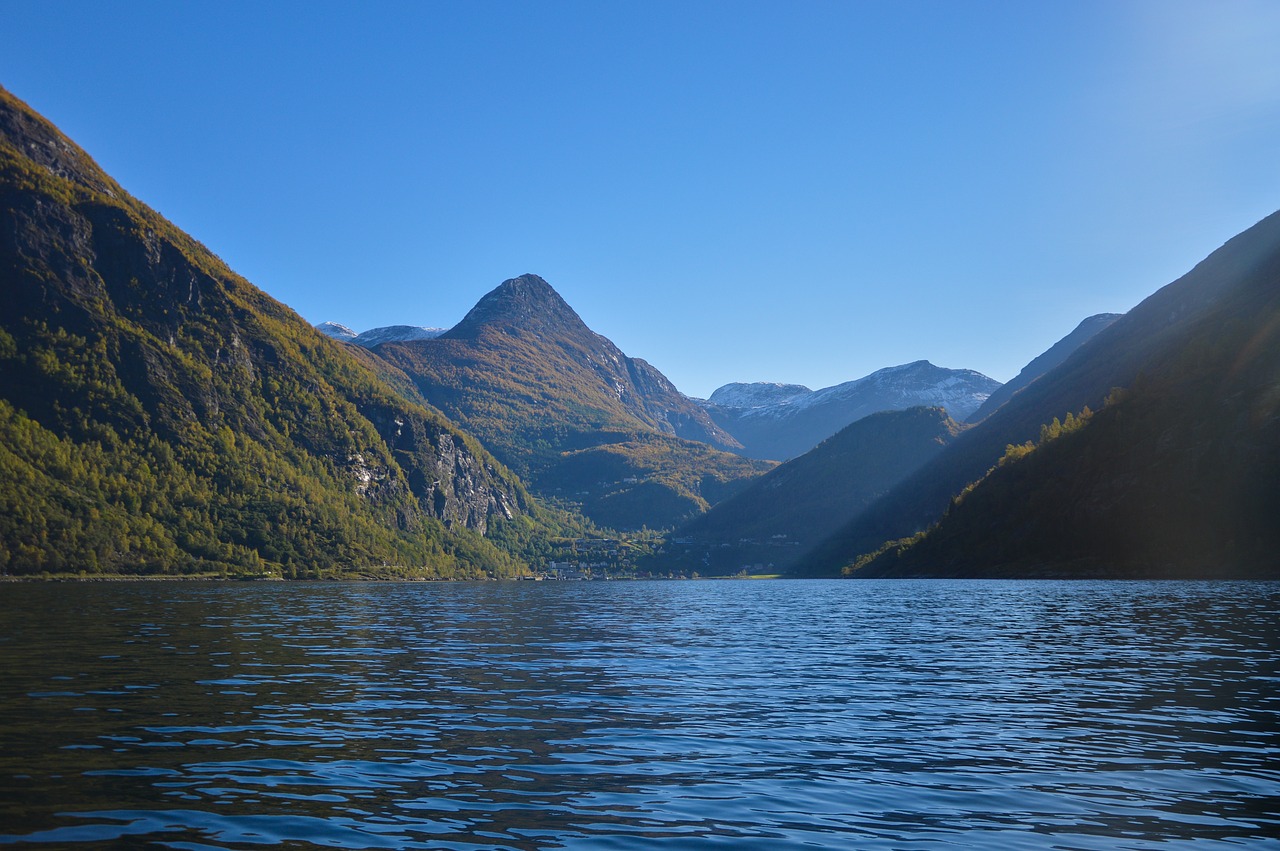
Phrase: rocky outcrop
(444, 473)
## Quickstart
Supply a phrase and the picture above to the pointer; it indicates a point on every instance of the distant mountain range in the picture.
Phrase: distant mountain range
(159, 414)
(777, 522)
(781, 421)
(1175, 473)
(374, 336)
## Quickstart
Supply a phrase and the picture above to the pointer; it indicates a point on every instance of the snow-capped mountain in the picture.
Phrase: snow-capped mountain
(336, 331)
(800, 419)
(757, 394)
(374, 336)
(397, 334)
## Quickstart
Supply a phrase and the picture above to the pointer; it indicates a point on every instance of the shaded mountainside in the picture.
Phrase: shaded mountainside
(785, 421)
(1177, 478)
(1199, 351)
(158, 413)
(563, 407)
(1083, 333)
(773, 521)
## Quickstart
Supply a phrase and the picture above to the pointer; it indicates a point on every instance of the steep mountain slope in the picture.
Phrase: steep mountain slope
(1177, 478)
(789, 423)
(160, 414)
(564, 407)
(1056, 354)
(778, 517)
(1221, 309)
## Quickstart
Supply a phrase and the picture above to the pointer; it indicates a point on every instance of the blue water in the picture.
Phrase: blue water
(619, 715)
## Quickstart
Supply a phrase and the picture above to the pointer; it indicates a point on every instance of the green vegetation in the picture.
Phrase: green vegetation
(1177, 476)
(160, 415)
(571, 414)
(1186, 350)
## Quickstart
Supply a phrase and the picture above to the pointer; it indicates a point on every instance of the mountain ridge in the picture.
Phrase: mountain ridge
(1148, 340)
(382, 334)
(795, 422)
(161, 414)
(777, 518)
(1047, 360)
(568, 410)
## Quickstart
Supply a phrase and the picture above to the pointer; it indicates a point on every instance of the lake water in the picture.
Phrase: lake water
(620, 715)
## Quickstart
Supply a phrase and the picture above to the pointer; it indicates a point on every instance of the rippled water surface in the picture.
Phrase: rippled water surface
(617, 715)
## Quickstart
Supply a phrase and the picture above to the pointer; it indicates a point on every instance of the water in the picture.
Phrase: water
(734, 714)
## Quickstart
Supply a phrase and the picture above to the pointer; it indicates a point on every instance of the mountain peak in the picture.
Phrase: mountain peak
(526, 303)
(336, 330)
(756, 394)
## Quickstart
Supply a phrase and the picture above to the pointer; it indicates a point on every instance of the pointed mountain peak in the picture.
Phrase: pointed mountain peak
(526, 303)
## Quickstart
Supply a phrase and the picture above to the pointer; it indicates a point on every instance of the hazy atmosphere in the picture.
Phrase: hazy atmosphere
(733, 191)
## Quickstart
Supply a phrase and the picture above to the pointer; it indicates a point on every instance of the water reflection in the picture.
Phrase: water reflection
(627, 715)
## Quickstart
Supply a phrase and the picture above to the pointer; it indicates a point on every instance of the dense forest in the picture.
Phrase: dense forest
(162, 415)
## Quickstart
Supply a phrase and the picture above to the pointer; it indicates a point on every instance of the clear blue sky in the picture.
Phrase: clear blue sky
(734, 191)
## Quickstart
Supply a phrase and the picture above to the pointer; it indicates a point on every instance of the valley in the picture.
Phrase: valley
(161, 415)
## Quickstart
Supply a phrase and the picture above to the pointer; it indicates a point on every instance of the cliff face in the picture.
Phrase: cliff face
(163, 414)
(458, 484)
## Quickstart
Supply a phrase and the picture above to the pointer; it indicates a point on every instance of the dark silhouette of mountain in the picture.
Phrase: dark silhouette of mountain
(781, 422)
(565, 408)
(1056, 354)
(774, 520)
(1216, 320)
(160, 414)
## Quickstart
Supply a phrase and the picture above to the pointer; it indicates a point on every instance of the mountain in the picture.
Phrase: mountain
(1056, 354)
(778, 517)
(565, 408)
(780, 421)
(757, 394)
(159, 414)
(374, 336)
(1197, 358)
(336, 331)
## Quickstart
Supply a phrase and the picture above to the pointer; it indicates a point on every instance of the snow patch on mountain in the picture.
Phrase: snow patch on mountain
(960, 391)
(757, 394)
(374, 336)
(336, 331)
(396, 334)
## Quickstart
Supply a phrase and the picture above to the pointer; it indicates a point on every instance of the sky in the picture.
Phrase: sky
(799, 191)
